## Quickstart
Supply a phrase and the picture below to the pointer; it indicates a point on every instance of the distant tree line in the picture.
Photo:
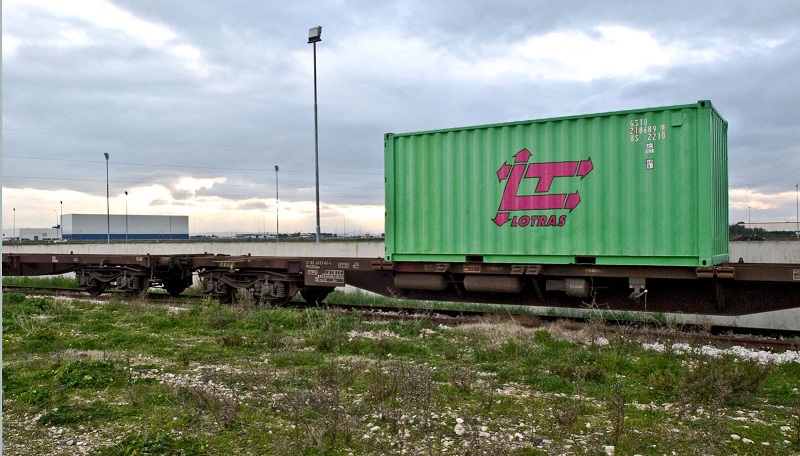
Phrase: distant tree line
(741, 232)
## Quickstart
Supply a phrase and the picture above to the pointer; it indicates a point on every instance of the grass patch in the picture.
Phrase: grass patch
(58, 281)
(152, 443)
(244, 379)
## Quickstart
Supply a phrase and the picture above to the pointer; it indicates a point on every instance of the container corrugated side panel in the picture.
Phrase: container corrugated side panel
(444, 190)
(719, 148)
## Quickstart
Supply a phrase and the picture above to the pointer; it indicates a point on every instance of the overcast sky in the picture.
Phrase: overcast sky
(196, 101)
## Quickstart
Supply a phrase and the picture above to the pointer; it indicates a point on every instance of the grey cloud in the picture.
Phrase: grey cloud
(254, 109)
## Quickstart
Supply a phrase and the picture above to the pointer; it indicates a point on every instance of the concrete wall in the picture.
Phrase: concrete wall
(750, 252)
(359, 249)
(765, 252)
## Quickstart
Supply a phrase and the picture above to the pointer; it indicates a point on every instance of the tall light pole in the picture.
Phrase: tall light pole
(314, 36)
(108, 205)
(277, 209)
(14, 229)
(61, 219)
(126, 216)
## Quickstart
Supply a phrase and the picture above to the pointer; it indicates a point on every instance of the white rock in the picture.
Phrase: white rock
(609, 449)
(746, 440)
(459, 429)
(460, 420)
(735, 437)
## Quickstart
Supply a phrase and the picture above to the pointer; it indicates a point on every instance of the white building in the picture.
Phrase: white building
(38, 234)
(88, 227)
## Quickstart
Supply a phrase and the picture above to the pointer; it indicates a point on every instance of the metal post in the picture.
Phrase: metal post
(277, 207)
(108, 205)
(61, 219)
(14, 229)
(797, 210)
(316, 137)
(315, 35)
(126, 216)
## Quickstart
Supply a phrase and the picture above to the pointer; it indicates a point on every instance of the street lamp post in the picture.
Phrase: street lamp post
(277, 209)
(61, 219)
(14, 229)
(108, 205)
(126, 217)
(314, 36)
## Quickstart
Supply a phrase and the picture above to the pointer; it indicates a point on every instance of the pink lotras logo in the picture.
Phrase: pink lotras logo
(542, 200)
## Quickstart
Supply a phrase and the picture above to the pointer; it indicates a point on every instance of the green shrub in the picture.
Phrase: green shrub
(89, 374)
(155, 443)
(79, 413)
(727, 380)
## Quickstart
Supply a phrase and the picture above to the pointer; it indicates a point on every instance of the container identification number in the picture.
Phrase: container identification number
(639, 129)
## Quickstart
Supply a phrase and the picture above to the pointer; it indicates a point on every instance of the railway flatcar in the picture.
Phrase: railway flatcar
(621, 210)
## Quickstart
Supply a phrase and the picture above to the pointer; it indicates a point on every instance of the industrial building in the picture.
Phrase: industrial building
(93, 227)
(38, 234)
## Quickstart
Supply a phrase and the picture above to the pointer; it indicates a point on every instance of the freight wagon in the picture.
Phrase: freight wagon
(621, 210)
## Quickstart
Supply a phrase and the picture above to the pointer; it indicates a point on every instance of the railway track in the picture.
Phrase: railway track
(647, 331)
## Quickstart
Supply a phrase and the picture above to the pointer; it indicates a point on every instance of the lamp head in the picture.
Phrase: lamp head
(315, 34)
(106, 155)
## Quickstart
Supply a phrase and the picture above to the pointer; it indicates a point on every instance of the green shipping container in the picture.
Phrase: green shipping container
(640, 187)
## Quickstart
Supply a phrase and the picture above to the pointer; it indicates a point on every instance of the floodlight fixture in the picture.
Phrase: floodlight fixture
(315, 34)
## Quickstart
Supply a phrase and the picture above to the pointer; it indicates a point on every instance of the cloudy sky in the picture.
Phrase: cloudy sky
(196, 101)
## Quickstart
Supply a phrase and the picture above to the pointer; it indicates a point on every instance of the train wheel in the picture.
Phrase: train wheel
(139, 286)
(315, 295)
(97, 288)
(227, 298)
(174, 287)
(279, 302)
